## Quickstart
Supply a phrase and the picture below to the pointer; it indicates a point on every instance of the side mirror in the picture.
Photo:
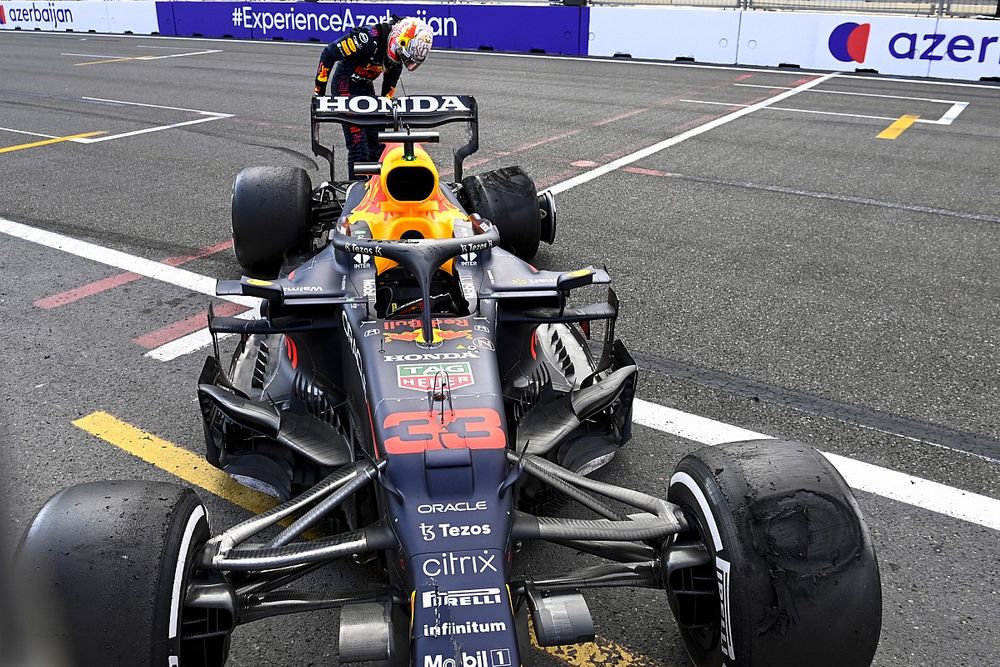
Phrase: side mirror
(571, 280)
(574, 279)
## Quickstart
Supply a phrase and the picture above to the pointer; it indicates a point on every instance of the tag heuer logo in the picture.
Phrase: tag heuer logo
(421, 377)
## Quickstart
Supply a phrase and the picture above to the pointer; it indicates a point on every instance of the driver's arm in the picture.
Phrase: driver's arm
(389, 80)
(331, 54)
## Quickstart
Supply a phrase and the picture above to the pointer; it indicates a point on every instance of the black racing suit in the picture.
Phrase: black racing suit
(356, 60)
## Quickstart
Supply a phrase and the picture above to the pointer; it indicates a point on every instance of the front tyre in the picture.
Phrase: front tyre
(115, 559)
(792, 578)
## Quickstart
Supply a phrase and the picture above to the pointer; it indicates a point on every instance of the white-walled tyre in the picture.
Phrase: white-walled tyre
(113, 560)
(793, 577)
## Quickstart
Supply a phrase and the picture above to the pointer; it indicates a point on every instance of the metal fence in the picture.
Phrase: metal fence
(985, 8)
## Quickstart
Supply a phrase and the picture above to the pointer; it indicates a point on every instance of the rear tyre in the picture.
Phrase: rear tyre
(115, 559)
(507, 197)
(793, 578)
(271, 214)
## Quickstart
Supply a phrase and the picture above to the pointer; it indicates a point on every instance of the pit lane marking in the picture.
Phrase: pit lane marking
(194, 341)
(53, 140)
(94, 138)
(946, 119)
(897, 128)
(172, 275)
(104, 284)
(30, 134)
(588, 176)
(188, 325)
(884, 482)
(177, 461)
(194, 470)
(94, 55)
(207, 117)
(954, 110)
(117, 59)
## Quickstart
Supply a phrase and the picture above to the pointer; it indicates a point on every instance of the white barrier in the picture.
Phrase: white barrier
(104, 17)
(136, 17)
(665, 33)
(814, 40)
(967, 49)
(897, 45)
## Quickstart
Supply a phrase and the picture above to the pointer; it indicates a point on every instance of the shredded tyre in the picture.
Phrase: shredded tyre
(793, 578)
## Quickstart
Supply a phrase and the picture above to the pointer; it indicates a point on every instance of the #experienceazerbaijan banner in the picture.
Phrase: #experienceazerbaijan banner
(524, 28)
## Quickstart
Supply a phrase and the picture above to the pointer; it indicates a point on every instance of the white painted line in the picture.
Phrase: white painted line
(683, 136)
(181, 55)
(884, 482)
(951, 114)
(193, 341)
(153, 106)
(845, 92)
(159, 128)
(121, 57)
(121, 260)
(92, 55)
(30, 134)
(918, 492)
(925, 121)
(687, 425)
(209, 116)
(947, 119)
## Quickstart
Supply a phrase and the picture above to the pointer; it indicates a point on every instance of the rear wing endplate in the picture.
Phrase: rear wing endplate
(401, 113)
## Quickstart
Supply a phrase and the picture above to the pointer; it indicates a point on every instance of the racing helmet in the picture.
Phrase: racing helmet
(410, 41)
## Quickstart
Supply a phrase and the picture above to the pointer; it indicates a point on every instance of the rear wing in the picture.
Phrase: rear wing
(401, 113)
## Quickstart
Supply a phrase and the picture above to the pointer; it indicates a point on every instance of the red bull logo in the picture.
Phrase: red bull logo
(439, 335)
(414, 330)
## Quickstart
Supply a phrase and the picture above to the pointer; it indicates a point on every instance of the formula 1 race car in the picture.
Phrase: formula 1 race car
(417, 398)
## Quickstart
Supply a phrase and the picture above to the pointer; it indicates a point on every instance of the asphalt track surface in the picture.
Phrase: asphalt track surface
(784, 271)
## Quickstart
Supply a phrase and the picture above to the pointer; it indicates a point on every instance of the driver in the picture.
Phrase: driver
(358, 58)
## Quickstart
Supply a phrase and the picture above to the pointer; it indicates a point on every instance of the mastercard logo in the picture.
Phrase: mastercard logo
(849, 42)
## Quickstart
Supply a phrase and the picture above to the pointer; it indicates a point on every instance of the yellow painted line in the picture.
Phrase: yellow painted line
(110, 60)
(46, 142)
(176, 460)
(898, 126)
(195, 470)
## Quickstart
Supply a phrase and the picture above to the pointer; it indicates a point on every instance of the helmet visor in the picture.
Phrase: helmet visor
(410, 58)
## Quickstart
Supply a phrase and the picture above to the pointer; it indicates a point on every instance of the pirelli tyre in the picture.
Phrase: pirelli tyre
(113, 559)
(507, 197)
(271, 217)
(793, 578)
